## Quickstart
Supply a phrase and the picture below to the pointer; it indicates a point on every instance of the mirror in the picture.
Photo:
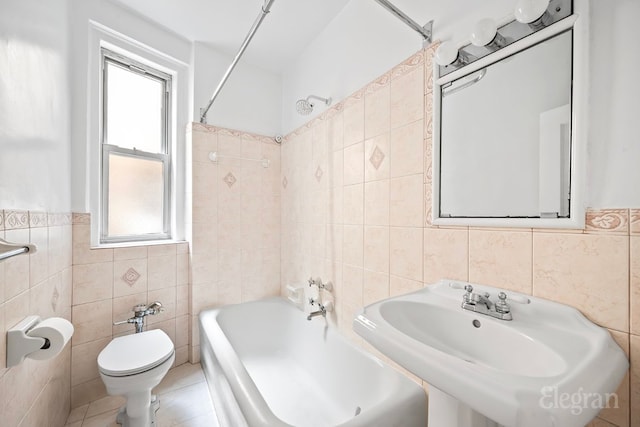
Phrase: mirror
(505, 133)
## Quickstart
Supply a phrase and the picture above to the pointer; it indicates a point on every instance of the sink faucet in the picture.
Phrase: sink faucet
(480, 303)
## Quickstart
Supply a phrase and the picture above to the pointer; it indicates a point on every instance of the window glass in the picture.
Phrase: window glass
(136, 194)
(134, 109)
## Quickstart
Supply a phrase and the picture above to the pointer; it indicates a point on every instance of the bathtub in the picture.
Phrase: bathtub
(266, 365)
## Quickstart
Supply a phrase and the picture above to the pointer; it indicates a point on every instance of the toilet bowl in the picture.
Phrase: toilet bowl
(131, 366)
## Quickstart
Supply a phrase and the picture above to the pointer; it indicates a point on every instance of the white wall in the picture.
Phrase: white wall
(34, 106)
(364, 41)
(614, 166)
(251, 99)
(85, 143)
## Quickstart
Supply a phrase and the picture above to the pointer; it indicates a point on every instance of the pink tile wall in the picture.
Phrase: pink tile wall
(234, 222)
(373, 238)
(35, 393)
(107, 283)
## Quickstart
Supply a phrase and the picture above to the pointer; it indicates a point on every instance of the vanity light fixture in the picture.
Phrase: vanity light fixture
(485, 33)
(534, 13)
(448, 53)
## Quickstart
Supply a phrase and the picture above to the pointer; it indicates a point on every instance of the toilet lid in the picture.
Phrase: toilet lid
(132, 354)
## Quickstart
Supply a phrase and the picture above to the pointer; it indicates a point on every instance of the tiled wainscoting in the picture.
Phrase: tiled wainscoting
(356, 210)
(107, 283)
(35, 393)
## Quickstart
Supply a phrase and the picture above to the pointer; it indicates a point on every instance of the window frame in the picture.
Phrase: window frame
(108, 56)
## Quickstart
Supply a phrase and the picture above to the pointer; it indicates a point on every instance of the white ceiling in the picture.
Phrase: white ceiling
(291, 25)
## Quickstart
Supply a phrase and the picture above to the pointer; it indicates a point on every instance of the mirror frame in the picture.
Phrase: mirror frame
(579, 22)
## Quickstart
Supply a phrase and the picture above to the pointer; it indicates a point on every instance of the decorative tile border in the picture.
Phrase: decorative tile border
(17, 219)
(14, 220)
(634, 221)
(81, 218)
(37, 219)
(607, 221)
(200, 127)
(408, 65)
(379, 83)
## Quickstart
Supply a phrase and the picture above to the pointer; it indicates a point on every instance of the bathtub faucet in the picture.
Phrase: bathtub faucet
(318, 282)
(322, 312)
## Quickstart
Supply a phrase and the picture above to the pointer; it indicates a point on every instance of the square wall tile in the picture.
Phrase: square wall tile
(129, 277)
(376, 287)
(376, 249)
(406, 201)
(376, 157)
(335, 132)
(587, 271)
(352, 284)
(501, 258)
(354, 164)
(353, 245)
(407, 149)
(91, 321)
(446, 254)
(401, 286)
(376, 111)
(407, 98)
(634, 377)
(353, 122)
(92, 282)
(376, 203)
(353, 211)
(634, 276)
(406, 252)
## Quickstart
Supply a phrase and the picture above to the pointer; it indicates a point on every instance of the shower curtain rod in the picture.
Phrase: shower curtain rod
(263, 12)
(425, 31)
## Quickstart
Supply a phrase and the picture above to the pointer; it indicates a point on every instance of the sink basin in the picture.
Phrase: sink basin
(512, 372)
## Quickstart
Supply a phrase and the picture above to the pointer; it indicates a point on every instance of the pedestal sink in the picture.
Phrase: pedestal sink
(547, 367)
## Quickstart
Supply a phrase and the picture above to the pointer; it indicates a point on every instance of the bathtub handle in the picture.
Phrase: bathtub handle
(318, 282)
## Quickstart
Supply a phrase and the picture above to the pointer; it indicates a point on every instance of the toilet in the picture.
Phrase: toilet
(131, 366)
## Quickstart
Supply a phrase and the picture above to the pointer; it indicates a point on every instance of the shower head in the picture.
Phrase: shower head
(304, 106)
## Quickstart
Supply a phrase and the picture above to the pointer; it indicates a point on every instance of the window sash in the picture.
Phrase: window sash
(164, 156)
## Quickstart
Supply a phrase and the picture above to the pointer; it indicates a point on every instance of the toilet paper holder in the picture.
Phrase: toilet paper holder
(20, 345)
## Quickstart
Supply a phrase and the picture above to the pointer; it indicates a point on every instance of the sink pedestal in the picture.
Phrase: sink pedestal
(447, 411)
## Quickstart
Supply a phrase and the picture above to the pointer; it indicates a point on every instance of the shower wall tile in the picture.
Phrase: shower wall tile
(407, 98)
(376, 108)
(354, 164)
(376, 203)
(376, 157)
(376, 249)
(406, 201)
(407, 150)
(354, 121)
(405, 245)
(593, 269)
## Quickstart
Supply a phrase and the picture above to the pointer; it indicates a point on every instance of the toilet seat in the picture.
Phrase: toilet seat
(136, 353)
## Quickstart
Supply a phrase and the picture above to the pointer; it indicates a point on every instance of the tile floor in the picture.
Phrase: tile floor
(184, 402)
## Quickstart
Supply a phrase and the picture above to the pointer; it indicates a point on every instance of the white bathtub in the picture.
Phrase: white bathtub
(266, 365)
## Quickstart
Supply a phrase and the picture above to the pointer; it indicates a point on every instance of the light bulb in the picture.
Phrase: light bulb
(528, 11)
(446, 54)
(484, 32)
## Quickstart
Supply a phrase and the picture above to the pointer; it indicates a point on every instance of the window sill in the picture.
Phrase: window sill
(137, 244)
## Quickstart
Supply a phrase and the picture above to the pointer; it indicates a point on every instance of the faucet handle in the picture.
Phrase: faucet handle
(122, 322)
(501, 305)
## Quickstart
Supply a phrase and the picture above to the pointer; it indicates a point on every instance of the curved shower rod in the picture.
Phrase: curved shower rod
(263, 12)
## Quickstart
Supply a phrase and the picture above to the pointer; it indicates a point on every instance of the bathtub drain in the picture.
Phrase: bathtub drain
(358, 410)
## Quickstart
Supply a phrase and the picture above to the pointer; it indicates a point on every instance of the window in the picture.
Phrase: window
(136, 151)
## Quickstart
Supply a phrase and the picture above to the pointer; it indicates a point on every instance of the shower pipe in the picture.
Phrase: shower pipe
(425, 31)
(263, 12)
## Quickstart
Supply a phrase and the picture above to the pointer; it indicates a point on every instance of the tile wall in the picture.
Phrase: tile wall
(35, 393)
(234, 219)
(356, 210)
(107, 283)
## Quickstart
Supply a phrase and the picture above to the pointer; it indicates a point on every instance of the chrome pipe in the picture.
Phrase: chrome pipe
(425, 31)
(263, 12)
